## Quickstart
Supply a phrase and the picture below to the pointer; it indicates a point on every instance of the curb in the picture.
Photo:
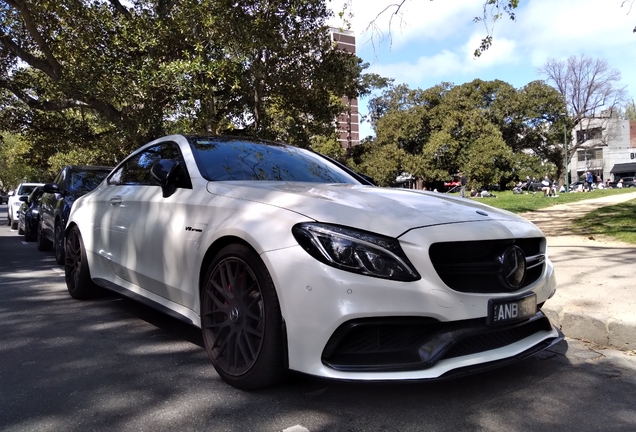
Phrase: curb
(595, 328)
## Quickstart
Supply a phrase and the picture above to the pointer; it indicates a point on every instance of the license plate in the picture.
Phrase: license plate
(511, 310)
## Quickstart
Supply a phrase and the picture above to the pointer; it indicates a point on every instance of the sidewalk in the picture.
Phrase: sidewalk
(596, 277)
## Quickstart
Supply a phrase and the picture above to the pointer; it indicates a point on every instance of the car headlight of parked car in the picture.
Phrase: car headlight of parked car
(355, 251)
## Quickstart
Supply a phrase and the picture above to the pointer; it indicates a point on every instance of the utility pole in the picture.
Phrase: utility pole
(565, 147)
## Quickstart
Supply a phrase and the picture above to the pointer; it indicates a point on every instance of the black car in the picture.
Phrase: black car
(4, 197)
(29, 214)
(71, 183)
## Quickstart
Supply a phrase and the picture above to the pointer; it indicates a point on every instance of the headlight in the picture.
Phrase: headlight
(355, 251)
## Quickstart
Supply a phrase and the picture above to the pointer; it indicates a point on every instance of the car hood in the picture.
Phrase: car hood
(385, 211)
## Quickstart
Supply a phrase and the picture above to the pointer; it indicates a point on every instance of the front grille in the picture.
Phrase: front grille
(475, 267)
(399, 344)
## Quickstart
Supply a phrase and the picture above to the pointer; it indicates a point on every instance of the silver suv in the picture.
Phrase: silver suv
(24, 189)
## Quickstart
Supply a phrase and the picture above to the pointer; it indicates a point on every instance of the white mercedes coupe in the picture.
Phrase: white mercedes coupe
(288, 260)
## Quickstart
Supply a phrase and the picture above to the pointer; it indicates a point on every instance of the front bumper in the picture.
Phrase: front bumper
(410, 344)
(318, 301)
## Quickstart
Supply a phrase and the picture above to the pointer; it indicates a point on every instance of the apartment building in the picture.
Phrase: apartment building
(605, 145)
(348, 121)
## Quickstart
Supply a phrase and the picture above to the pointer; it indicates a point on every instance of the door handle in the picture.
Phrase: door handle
(115, 201)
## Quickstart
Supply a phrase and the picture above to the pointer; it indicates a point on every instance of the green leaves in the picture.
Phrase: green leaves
(116, 74)
(486, 129)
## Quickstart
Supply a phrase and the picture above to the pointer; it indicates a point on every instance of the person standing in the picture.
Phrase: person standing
(462, 183)
(589, 179)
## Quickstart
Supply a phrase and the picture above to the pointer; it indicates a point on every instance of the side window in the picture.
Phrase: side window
(136, 170)
(60, 179)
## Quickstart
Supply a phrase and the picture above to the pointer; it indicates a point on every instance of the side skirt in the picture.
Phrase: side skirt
(143, 299)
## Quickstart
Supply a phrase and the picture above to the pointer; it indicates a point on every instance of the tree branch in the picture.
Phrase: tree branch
(104, 108)
(120, 8)
(28, 58)
(30, 25)
(44, 105)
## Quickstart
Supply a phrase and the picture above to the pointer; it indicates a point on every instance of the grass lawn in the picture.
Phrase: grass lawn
(521, 203)
(618, 221)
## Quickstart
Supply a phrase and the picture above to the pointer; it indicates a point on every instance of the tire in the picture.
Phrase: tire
(29, 236)
(14, 224)
(43, 243)
(76, 272)
(58, 244)
(241, 320)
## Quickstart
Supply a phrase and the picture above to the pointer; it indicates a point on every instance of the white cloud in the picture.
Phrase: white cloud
(546, 28)
(447, 63)
(542, 29)
(416, 19)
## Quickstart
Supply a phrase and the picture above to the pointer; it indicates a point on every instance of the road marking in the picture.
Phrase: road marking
(59, 272)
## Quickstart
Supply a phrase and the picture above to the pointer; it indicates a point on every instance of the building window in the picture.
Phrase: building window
(588, 134)
(589, 154)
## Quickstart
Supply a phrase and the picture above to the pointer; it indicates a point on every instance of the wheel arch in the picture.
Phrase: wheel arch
(211, 252)
(215, 248)
(69, 227)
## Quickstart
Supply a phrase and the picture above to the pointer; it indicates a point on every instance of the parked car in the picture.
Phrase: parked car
(627, 182)
(287, 261)
(575, 186)
(4, 197)
(72, 182)
(24, 189)
(29, 214)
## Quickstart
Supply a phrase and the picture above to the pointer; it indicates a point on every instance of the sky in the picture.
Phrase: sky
(433, 41)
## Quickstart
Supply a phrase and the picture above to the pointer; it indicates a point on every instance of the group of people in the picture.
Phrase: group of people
(548, 187)
(463, 181)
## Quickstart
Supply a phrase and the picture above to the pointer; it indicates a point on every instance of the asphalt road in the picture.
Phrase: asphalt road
(113, 365)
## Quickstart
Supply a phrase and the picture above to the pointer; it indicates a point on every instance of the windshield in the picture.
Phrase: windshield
(26, 189)
(86, 181)
(224, 159)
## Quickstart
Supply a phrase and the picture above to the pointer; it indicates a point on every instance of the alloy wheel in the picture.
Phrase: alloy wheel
(234, 316)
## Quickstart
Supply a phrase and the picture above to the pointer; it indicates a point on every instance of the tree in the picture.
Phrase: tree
(587, 85)
(382, 162)
(14, 165)
(487, 129)
(592, 92)
(116, 74)
(629, 111)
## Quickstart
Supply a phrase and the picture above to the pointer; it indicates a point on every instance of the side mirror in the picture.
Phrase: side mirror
(11, 193)
(24, 198)
(51, 188)
(164, 172)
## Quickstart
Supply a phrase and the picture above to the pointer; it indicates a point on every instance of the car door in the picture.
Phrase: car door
(48, 205)
(145, 229)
